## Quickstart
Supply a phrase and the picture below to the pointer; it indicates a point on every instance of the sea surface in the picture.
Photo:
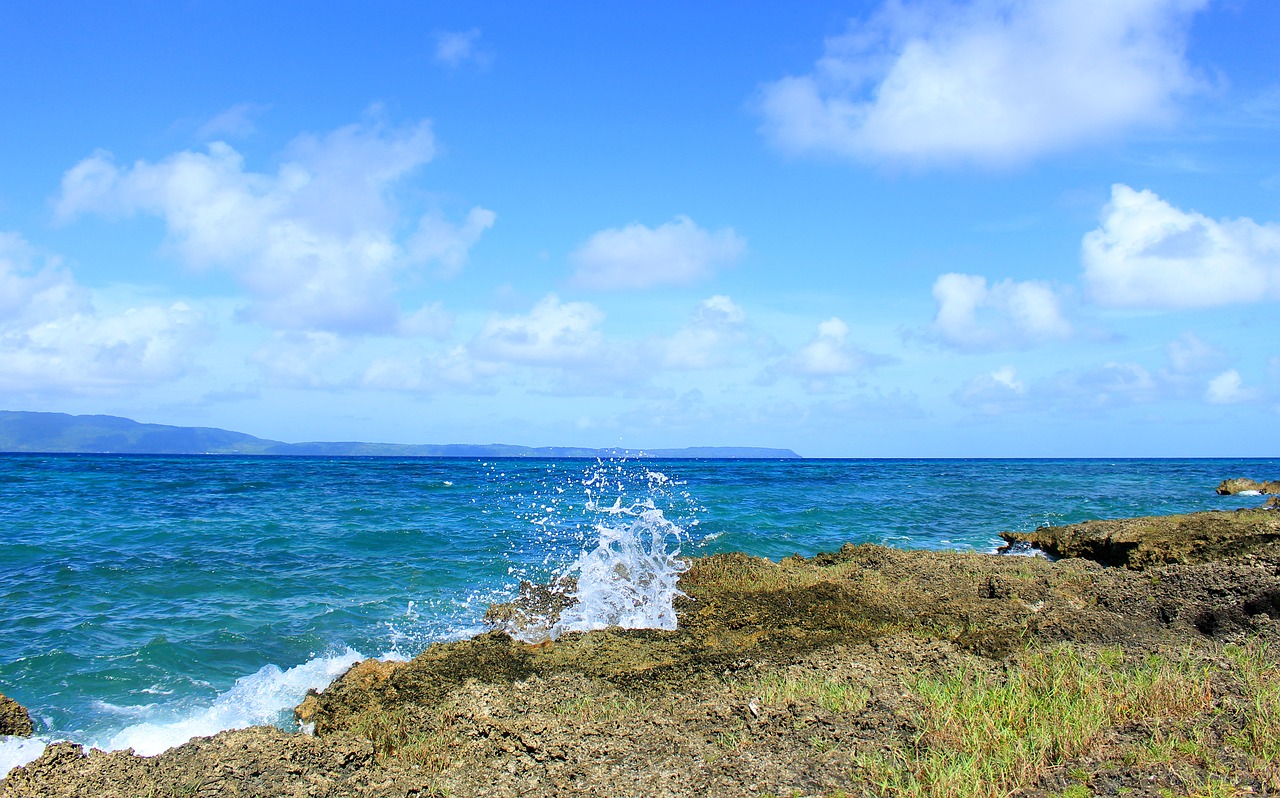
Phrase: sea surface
(145, 599)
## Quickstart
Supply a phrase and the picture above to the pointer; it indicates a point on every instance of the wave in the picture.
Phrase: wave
(263, 697)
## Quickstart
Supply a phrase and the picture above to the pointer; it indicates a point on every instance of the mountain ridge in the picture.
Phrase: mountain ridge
(62, 433)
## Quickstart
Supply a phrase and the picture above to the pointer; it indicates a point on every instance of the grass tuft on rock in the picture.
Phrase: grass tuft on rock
(979, 735)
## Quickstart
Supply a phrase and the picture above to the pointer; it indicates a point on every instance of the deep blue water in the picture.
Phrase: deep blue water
(147, 599)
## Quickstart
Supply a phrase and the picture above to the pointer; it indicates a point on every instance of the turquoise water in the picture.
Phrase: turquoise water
(147, 599)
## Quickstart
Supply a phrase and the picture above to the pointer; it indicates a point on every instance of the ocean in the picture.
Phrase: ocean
(148, 599)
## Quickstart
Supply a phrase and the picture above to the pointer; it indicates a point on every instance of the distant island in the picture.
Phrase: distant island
(25, 431)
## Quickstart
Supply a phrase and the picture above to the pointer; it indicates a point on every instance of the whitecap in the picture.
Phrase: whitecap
(258, 698)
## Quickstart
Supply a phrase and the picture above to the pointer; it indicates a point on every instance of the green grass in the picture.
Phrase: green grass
(1257, 669)
(984, 736)
(603, 708)
(832, 693)
(409, 738)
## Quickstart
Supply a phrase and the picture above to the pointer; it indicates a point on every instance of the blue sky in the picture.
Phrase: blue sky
(993, 228)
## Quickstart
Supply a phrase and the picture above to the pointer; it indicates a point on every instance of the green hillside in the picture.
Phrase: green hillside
(25, 431)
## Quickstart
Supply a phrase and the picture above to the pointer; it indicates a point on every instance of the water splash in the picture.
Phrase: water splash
(629, 579)
(610, 552)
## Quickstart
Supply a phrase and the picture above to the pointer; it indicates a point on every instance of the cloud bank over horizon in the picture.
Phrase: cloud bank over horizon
(966, 228)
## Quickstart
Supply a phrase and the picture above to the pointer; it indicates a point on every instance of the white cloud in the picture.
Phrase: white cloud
(1150, 254)
(314, 243)
(1009, 314)
(825, 358)
(1190, 355)
(52, 338)
(994, 82)
(553, 333)
(708, 340)
(1228, 388)
(829, 354)
(455, 48)
(451, 369)
(431, 321)
(993, 393)
(447, 244)
(301, 359)
(636, 256)
(234, 122)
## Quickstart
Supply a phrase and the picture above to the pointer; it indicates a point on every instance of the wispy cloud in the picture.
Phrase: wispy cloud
(232, 123)
(455, 48)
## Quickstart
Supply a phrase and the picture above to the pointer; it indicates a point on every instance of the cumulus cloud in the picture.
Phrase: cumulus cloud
(826, 357)
(52, 338)
(451, 369)
(1228, 389)
(829, 354)
(553, 333)
(636, 256)
(314, 243)
(973, 315)
(717, 327)
(992, 393)
(995, 81)
(1149, 254)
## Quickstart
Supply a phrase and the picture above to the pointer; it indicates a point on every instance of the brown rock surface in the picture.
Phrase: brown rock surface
(1230, 487)
(1157, 540)
(14, 719)
(780, 679)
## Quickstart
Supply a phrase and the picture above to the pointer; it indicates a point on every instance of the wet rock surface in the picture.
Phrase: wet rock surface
(781, 678)
(14, 719)
(1231, 487)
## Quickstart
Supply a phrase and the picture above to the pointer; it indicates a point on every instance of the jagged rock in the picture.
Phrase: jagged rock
(1230, 487)
(14, 718)
(535, 610)
(1139, 543)
(1273, 503)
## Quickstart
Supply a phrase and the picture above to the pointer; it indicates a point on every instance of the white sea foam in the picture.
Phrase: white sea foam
(629, 579)
(15, 751)
(255, 699)
(259, 698)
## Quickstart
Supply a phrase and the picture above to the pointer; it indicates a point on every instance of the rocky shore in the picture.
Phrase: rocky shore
(14, 719)
(1143, 662)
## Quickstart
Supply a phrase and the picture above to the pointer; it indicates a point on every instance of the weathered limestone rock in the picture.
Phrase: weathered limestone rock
(14, 718)
(1139, 543)
(1230, 487)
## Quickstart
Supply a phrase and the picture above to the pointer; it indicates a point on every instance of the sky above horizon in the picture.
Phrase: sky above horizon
(856, 229)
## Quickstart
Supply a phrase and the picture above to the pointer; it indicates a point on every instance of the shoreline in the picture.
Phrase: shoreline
(802, 675)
